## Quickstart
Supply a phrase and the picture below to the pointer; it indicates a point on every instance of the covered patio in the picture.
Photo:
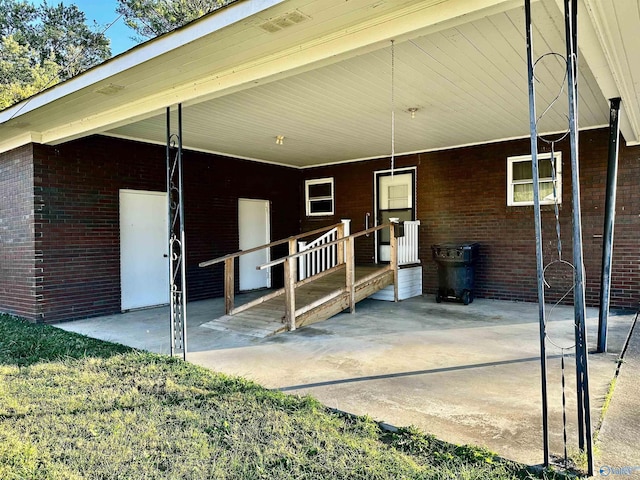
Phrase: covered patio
(281, 95)
(467, 374)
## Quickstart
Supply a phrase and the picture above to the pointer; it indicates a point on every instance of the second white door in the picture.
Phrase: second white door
(254, 229)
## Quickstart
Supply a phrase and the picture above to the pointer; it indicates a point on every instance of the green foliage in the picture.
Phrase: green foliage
(21, 73)
(42, 45)
(24, 344)
(150, 18)
(410, 440)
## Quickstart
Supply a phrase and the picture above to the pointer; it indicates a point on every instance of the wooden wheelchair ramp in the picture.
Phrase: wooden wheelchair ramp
(321, 279)
(316, 299)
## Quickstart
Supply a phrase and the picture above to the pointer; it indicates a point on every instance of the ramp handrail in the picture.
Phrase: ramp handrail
(345, 247)
(221, 259)
(229, 259)
(338, 241)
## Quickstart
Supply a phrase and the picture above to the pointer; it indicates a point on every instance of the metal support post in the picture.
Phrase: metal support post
(177, 249)
(582, 370)
(538, 230)
(609, 222)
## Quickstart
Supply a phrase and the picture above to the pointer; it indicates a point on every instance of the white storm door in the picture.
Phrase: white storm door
(395, 199)
(254, 229)
(144, 262)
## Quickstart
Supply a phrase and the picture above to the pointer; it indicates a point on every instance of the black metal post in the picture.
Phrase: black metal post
(582, 370)
(177, 249)
(169, 220)
(609, 222)
(538, 231)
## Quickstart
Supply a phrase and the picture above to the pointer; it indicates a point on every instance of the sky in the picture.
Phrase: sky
(103, 12)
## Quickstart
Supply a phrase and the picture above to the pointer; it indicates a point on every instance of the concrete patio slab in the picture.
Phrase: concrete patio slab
(467, 374)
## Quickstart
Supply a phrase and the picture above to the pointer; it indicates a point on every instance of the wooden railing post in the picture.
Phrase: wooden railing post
(344, 230)
(290, 293)
(229, 287)
(350, 272)
(340, 234)
(302, 261)
(393, 261)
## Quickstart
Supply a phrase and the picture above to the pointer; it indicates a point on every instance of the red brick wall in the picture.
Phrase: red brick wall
(78, 185)
(19, 273)
(354, 193)
(62, 211)
(462, 197)
(213, 186)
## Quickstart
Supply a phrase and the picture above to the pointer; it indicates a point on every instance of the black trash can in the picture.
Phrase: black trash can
(456, 270)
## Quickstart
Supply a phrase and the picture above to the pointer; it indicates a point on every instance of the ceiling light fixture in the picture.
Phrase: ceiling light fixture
(279, 139)
(412, 111)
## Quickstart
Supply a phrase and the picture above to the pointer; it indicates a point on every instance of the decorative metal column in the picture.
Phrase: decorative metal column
(533, 125)
(177, 249)
(609, 222)
(585, 440)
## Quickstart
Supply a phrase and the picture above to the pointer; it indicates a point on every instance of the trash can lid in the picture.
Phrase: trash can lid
(457, 245)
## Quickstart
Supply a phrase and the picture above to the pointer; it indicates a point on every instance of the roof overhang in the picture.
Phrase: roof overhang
(231, 70)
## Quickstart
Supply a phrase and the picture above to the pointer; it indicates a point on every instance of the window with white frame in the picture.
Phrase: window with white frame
(520, 179)
(319, 196)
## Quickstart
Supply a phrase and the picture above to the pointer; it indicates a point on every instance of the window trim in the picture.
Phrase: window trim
(511, 183)
(308, 200)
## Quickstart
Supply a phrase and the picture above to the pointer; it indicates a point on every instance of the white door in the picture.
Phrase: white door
(144, 262)
(395, 199)
(254, 230)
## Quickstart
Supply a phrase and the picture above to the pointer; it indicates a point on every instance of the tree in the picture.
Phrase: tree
(63, 32)
(21, 73)
(150, 18)
(42, 45)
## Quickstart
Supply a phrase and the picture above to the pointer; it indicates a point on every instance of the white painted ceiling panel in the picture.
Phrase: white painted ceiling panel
(469, 84)
(325, 84)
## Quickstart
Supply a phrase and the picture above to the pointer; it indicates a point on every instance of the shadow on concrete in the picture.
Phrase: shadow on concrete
(416, 372)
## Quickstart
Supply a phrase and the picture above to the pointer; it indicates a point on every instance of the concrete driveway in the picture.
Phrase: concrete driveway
(467, 374)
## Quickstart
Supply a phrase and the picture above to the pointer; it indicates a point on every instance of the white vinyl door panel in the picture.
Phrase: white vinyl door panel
(144, 265)
(253, 230)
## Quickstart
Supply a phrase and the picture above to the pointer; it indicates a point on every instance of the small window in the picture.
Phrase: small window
(520, 179)
(319, 196)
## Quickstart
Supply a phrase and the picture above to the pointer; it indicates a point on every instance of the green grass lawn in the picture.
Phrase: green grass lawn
(72, 408)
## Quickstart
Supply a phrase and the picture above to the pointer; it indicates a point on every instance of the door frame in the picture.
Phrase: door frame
(384, 173)
(267, 204)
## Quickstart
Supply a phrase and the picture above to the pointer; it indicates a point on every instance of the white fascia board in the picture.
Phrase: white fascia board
(402, 23)
(606, 61)
(149, 50)
(20, 140)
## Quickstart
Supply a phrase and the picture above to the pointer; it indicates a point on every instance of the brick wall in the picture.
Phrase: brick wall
(77, 188)
(62, 211)
(354, 193)
(462, 197)
(18, 270)
(213, 186)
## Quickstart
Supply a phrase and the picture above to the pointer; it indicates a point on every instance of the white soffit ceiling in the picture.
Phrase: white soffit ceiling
(616, 27)
(469, 84)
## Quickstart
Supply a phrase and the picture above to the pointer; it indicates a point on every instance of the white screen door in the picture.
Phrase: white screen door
(395, 199)
(144, 263)
(254, 229)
